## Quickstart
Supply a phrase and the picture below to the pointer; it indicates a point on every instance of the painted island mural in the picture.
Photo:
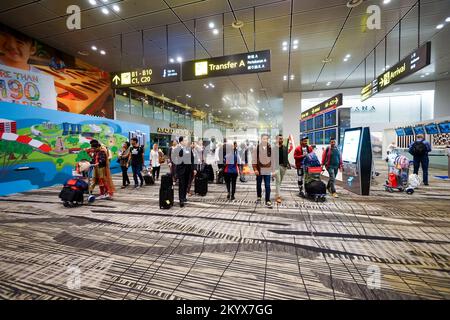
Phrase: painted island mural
(40, 147)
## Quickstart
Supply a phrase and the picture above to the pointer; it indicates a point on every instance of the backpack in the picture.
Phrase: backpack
(419, 149)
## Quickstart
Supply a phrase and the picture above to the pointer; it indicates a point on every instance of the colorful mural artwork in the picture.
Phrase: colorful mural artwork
(40, 147)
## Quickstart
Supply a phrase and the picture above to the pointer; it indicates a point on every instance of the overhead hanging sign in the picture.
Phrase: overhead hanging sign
(145, 77)
(243, 63)
(417, 60)
(323, 107)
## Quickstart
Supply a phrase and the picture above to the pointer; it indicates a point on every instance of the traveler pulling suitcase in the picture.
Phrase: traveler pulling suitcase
(166, 192)
(201, 184)
(208, 170)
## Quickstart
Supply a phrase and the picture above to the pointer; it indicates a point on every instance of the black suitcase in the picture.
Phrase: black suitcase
(71, 195)
(208, 170)
(220, 178)
(166, 196)
(316, 188)
(201, 184)
(148, 179)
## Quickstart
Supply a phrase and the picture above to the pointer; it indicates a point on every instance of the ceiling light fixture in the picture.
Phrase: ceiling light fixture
(292, 77)
(258, 101)
(328, 83)
(93, 2)
(83, 53)
(103, 52)
(327, 60)
(251, 90)
(284, 43)
(295, 42)
(285, 77)
(171, 60)
(284, 48)
(212, 85)
(348, 55)
(104, 1)
(211, 25)
(386, 1)
(216, 31)
(447, 19)
(179, 59)
(105, 11)
(94, 48)
(345, 59)
(237, 24)
(295, 47)
(440, 26)
(116, 8)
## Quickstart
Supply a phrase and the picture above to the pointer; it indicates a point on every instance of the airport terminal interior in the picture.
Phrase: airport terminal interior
(225, 150)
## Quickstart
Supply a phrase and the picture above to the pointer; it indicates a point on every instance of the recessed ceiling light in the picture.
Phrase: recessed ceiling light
(292, 77)
(215, 31)
(206, 105)
(328, 83)
(427, 73)
(387, 67)
(284, 43)
(422, 76)
(284, 48)
(116, 8)
(251, 90)
(104, 1)
(258, 101)
(224, 99)
(447, 19)
(345, 59)
(211, 25)
(284, 77)
(93, 2)
(171, 60)
(94, 48)
(295, 41)
(295, 47)
(327, 60)
(105, 11)
(386, 1)
(179, 59)
(440, 26)
(103, 52)
(229, 116)
(348, 55)
(188, 95)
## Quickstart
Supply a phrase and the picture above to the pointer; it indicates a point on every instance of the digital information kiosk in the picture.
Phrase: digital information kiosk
(357, 160)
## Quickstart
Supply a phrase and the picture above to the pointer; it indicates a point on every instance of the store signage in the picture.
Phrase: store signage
(323, 107)
(144, 77)
(243, 63)
(364, 109)
(174, 131)
(414, 62)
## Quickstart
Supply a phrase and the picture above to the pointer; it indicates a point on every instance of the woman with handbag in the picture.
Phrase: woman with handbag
(154, 161)
(124, 155)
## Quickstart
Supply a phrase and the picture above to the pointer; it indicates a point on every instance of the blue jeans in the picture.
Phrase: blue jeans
(332, 172)
(137, 168)
(259, 180)
(423, 161)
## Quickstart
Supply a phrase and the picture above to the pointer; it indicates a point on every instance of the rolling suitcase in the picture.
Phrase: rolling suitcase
(201, 184)
(148, 179)
(208, 170)
(220, 178)
(316, 188)
(166, 193)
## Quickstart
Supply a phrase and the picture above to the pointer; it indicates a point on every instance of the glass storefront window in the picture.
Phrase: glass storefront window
(157, 112)
(167, 113)
(148, 110)
(122, 103)
(136, 107)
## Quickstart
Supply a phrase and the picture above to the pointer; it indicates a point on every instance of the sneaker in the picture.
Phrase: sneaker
(258, 199)
(102, 196)
(228, 196)
(301, 194)
(136, 187)
(335, 195)
(232, 198)
(278, 199)
(181, 204)
(268, 204)
(123, 187)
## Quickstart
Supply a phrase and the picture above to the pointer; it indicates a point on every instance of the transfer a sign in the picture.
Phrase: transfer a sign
(417, 60)
(323, 107)
(144, 77)
(243, 63)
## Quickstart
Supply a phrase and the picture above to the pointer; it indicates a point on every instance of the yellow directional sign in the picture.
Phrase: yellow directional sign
(144, 77)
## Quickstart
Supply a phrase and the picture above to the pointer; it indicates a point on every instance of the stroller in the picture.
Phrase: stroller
(398, 175)
(315, 188)
(72, 193)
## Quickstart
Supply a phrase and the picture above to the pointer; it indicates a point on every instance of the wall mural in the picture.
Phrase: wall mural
(40, 147)
(33, 73)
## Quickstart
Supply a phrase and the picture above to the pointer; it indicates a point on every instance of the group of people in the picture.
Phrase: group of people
(185, 160)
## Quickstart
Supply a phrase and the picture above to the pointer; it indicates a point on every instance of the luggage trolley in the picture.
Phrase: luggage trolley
(398, 175)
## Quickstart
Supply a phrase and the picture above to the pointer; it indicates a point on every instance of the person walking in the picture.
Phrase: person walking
(137, 162)
(182, 158)
(332, 161)
(124, 156)
(102, 173)
(301, 151)
(232, 161)
(419, 149)
(281, 166)
(194, 168)
(172, 165)
(262, 166)
(154, 161)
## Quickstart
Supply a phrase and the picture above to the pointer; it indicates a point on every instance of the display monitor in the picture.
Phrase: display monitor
(309, 124)
(351, 145)
(318, 137)
(330, 133)
(318, 122)
(444, 127)
(302, 126)
(419, 130)
(409, 131)
(431, 128)
(310, 138)
(400, 132)
(330, 118)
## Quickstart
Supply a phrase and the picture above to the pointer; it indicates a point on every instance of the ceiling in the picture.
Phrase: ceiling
(323, 28)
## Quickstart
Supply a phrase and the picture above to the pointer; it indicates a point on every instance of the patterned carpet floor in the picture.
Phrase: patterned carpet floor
(384, 246)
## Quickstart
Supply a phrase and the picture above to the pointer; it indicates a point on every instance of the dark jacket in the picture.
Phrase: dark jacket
(425, 142)
(284, 150)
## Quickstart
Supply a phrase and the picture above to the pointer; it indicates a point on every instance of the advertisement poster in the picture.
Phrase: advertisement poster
(28, 88)
(40, 147)
(27, 66)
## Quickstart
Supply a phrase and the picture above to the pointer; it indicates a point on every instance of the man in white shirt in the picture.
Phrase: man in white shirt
(154, 161)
